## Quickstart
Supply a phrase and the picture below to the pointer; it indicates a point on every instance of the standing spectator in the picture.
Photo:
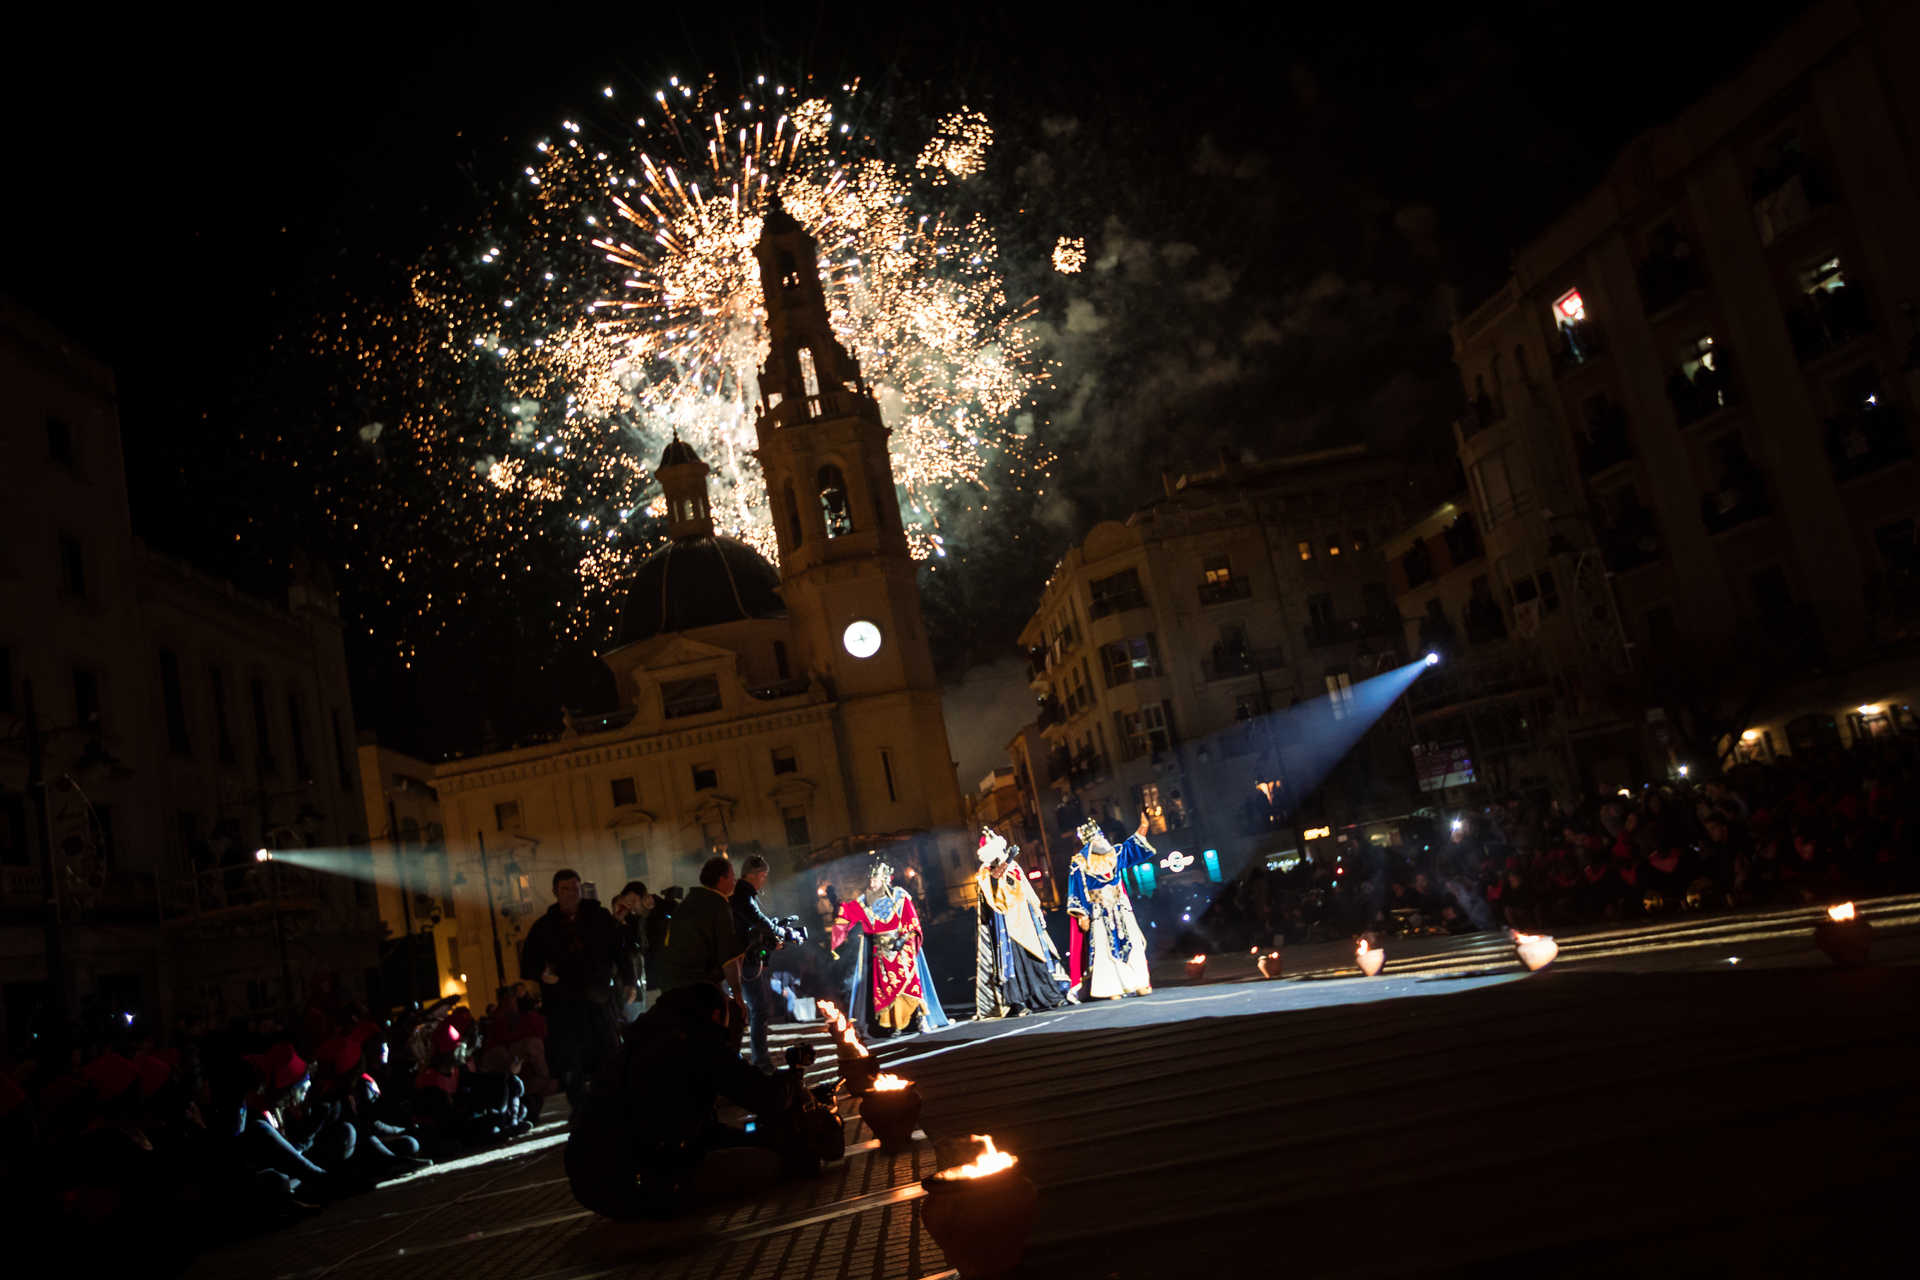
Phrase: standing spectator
(701, 944)
(655, 929)
(631, 908)
(756, 931)
(574, 952)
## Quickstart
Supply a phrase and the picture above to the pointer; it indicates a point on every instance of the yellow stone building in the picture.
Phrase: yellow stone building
(792, 712)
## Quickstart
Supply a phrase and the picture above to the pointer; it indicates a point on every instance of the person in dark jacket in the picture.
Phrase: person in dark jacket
(574, 952)
(631, 907)
(649, 1119)
(761, 936)
(658, 921)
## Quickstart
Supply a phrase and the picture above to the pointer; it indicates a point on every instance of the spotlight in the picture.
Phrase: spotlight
(1433, 659)
(1457, 824)
(263, 855)
(1683, 771)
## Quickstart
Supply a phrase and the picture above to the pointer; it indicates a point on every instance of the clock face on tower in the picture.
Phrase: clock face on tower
(862, 639)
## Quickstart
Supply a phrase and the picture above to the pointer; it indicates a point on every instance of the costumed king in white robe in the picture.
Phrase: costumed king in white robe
(1097, 900)
(1018, 968)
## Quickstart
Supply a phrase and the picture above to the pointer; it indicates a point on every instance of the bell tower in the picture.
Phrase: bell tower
(846, 575)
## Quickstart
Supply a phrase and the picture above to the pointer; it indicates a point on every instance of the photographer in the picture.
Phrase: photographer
(701, 945)
(650, 1118)
(763, 936)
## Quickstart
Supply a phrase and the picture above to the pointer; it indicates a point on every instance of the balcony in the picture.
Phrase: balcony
(1059, 764)
(1118, 602)
(1628, 544)
(1048, 711)
(1226, 666)
(1786, 195)
(1668, 277)
(1739, 499)
(1036, 663)
(1703, 393)
(1226, 590)
(1494, 670)
(1323, 632)
(788, 688)
(1580, 342)
(1828, 319)
(1483, 411)
(1866, 440)
(1606, 442)
(1087, 768)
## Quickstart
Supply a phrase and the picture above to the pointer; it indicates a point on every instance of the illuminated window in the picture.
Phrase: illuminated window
(833, 501)
(809, 375)
(1306, 549)
(1340, 694)
(1570, 307)
(1217, 571)
(1333, 546)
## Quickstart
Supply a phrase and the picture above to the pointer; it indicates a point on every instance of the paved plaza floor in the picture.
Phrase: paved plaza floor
(1706, 1096)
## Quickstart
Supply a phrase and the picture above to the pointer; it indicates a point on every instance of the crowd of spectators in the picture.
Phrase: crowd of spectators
(1799, 830)
(175, 1141)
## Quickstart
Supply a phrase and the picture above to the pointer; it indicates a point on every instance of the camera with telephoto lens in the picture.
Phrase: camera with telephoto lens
(763, 942)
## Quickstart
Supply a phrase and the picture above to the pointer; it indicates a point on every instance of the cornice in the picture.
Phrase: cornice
(456, 776)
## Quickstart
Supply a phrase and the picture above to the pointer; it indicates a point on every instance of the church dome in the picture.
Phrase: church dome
(698, 582)
(679, 453)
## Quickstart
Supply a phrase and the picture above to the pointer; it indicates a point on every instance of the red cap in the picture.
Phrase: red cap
(339, 1055)
(153, 1071)
(279, 1066)
(110, 1075)
(444, 1038)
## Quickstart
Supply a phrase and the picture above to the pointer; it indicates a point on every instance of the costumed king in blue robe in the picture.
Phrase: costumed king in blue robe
(1097, 900)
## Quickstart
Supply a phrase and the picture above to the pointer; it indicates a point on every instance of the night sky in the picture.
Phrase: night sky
(1283, 214)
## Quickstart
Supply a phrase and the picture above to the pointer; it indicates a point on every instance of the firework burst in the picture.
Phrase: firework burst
(613, 300)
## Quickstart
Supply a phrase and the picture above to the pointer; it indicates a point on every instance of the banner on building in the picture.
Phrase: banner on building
(1439, 765)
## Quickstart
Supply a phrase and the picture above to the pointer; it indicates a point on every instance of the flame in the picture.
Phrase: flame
(1841, 914)
(991, 1161)
(1199, 960)
(859, 1050)
(1273, 955)
(887, 1082)
(1362, 948)
(1519, 938)
(1253, 951)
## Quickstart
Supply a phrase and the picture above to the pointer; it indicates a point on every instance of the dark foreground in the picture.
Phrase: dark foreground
(1644, 1107)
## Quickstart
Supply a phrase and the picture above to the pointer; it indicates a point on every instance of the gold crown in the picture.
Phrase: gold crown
(883, 867)
(1088, 830)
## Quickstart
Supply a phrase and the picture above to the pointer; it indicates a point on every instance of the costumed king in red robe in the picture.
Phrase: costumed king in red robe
(892, 988)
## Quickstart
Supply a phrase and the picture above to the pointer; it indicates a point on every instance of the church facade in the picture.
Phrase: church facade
(789, 711)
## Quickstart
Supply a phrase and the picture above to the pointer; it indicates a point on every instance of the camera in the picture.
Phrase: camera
(762, 942)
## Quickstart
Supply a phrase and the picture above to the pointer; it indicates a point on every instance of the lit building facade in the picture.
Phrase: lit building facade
(791, 712)
(1702, 380)
(178, 725)
(1161, 646)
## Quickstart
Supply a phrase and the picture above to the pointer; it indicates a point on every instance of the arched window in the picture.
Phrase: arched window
(796, 532)
(809, 375)
(833, 501)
